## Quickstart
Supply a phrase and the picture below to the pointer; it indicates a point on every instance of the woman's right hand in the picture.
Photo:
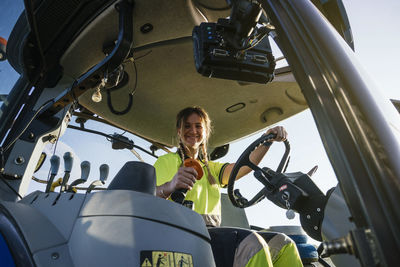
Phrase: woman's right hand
(183, 179)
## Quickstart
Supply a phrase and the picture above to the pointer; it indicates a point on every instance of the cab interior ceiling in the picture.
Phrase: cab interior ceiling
(167, 80)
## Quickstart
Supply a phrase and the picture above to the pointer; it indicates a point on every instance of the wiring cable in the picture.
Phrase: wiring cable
(109, 137)
(139, 57)
(109, 103)
(134, 68)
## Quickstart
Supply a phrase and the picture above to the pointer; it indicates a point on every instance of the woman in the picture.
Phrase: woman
(193, 127)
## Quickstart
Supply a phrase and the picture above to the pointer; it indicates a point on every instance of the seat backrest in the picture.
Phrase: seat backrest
(136, 176)
(231, 215)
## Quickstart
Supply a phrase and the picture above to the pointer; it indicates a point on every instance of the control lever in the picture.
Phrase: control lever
(264, 176)
(179, 195)
(104, 170)
(85, 170)
(54, 165)
(68, 161)
(312, 171)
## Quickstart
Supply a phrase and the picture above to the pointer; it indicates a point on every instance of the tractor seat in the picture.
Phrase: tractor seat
(136, 176)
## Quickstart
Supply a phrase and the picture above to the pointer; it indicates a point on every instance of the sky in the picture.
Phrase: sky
(377, 40)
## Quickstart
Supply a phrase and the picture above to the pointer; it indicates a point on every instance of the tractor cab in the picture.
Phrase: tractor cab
(117, 69)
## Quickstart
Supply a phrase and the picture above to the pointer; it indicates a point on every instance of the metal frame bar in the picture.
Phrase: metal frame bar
(353, 127)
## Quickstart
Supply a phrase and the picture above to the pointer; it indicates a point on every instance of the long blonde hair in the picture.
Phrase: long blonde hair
(181, 118)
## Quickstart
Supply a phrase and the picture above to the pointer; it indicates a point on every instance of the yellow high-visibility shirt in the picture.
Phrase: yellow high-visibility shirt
(206, 197)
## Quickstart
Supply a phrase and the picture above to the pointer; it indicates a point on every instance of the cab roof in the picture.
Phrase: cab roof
(160, 70)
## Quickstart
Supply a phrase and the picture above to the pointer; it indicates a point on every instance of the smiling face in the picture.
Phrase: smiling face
(192, 133)
(193, 127)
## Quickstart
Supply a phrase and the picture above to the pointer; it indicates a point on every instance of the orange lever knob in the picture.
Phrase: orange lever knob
(195, 165)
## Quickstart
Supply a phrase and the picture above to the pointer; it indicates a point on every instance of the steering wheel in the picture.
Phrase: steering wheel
(263, 175)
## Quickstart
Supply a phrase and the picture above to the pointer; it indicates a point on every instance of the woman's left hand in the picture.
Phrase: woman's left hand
(257, 155)
(281, 134)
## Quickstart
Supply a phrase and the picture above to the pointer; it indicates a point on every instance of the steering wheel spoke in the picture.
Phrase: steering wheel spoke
(258, 197)
(260, 176)
(253, 166)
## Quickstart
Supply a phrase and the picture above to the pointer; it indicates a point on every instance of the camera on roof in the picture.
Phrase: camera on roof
(217, 56)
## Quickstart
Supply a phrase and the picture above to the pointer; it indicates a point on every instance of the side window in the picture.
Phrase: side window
(8, 17)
